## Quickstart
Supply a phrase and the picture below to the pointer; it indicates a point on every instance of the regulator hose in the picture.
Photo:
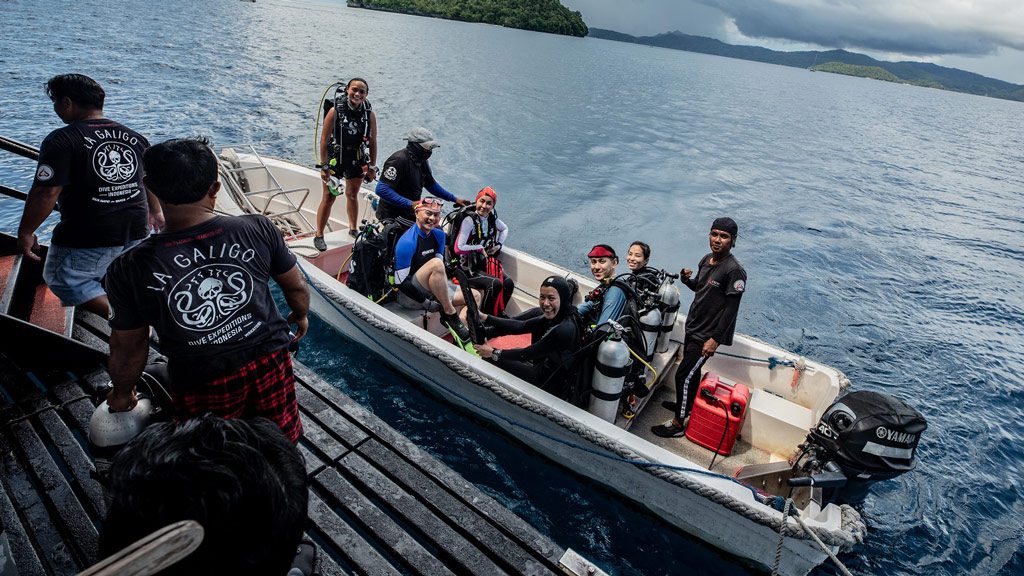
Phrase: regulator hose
(316, 119)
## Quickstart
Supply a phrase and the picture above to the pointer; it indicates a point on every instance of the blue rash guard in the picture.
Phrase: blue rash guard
(612, 304)
(388, 194)
(414, 249)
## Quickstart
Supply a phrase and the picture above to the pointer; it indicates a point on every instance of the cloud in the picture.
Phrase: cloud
(913, 27)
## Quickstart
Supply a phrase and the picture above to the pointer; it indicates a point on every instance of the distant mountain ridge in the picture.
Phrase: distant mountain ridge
(919, 73)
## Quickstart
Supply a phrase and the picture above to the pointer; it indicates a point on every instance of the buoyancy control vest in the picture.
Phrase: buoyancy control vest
(351, 130)
(475, 262)
(635, 333)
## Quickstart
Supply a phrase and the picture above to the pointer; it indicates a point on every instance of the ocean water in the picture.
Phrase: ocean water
(881, 225)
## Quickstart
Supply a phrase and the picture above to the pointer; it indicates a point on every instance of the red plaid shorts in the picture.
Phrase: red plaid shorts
(264, 387)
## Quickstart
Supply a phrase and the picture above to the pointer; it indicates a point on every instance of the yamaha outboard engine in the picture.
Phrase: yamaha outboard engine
(862, 438)
(668, 296)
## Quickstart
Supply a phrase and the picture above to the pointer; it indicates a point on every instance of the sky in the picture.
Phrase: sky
(982, 36)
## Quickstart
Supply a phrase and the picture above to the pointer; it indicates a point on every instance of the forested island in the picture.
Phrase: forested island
(838, 61)
(537, 15)
(873, 72)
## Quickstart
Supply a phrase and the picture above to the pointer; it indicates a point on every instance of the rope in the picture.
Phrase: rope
(820, 544)
(771, 361)
(853, 527)
(53, 407)
(782, 537)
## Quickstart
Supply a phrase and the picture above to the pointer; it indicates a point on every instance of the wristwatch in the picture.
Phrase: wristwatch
(495, 354)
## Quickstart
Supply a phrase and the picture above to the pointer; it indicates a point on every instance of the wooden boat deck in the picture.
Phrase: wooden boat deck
(378, 504)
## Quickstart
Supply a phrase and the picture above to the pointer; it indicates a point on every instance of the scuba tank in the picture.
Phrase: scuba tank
(650, 323)
(668, 297)
(609, 376)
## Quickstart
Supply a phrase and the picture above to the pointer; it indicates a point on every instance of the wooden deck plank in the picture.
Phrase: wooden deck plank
(42, 532)
(390, 535)
(67, 510)
(352, 546)
(21, 545)
(89, 339)
(77, 404)
(79, 465)
(454, 547)
(497, 541)
(340, 426)
(430, 466)
(379, 504)
(322, 440)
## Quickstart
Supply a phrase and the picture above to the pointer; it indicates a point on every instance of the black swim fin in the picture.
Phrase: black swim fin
(476, 329)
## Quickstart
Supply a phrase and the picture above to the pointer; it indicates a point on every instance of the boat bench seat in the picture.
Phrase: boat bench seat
(775, 424)
(416, 317)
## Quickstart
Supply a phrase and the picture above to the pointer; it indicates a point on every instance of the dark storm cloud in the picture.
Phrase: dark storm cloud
(917, 27)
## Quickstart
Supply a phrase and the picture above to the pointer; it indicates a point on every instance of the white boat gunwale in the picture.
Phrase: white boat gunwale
(625, 446)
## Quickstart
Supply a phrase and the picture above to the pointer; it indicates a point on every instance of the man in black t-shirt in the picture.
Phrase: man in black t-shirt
(711, 321)
(404, 176)
(202, 284)
(92, 170)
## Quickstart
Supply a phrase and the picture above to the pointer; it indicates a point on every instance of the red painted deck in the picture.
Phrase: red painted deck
(47, 311)
(6, 265)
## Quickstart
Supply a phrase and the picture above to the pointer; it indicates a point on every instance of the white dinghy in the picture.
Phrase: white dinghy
(735, 507)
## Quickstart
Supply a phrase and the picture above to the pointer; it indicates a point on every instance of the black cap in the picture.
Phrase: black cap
(726, 224)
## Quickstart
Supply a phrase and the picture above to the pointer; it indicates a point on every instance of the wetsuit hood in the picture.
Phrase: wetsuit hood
(565, 306)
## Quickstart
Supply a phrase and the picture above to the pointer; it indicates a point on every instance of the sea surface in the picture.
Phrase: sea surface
(881, 225)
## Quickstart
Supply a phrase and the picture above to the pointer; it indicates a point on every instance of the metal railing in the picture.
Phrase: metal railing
(19, 149)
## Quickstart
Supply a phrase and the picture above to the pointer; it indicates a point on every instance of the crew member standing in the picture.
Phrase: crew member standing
(404, 176)
(711, 321)
(91, 170)
(203, 285)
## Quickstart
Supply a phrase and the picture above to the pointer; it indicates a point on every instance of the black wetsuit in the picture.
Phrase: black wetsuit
(718, 289)
(548, 362)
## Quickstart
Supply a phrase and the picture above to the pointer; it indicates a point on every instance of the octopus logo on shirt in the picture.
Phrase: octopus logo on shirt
(209, 296)
(115, 162)
(391, 173)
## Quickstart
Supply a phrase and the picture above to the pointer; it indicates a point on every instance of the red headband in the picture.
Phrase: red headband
(602, 251)
(487, 191)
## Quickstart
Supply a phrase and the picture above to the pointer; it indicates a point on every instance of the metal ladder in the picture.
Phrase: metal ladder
(241, 178)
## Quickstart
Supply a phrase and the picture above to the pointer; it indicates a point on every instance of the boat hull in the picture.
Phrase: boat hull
(695, 514)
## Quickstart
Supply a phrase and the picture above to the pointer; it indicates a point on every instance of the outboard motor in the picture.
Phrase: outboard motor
(862, 438)
(668, 296)
(609, 375)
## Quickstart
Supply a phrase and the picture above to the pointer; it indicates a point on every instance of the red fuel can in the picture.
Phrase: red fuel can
(719, 409)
